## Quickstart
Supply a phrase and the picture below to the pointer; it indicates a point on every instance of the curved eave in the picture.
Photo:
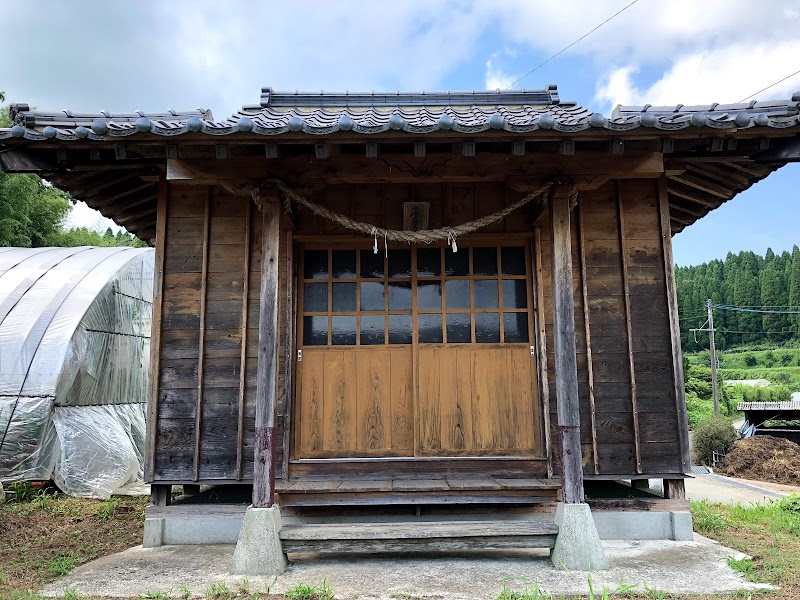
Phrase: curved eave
(705, 186)
(118, 194)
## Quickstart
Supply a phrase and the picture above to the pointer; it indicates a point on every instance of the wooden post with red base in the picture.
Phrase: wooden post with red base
(577, 545)
(259, 551)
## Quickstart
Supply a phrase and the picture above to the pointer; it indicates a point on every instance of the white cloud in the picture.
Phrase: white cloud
(496, 78)
(83, 216)
(725, 74)
(190, 53)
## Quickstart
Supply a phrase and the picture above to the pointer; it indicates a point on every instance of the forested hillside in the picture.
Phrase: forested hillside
(747, 281)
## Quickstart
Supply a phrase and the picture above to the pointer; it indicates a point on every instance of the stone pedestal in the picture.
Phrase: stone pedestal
(259, 551)
(577, 546)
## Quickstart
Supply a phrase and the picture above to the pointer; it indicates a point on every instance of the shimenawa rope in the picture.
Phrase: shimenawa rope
(410, 237)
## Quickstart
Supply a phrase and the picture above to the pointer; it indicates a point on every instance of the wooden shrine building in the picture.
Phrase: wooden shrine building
(508, 362)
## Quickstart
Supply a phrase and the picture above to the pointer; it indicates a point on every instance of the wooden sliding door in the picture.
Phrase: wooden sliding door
(416, 352)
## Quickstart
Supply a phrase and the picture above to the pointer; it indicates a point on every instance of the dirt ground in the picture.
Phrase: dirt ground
(763, 458)
(49, 535)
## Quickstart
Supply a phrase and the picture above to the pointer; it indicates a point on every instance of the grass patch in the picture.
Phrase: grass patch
(45, 535)
(769, 533)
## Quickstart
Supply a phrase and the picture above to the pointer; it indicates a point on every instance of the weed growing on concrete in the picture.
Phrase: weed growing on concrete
(324, 590)
(529, 593)
(272, 585)
(654, 594)
(72, 594)
(156, 596)
(304, 591)
(219, 591)
(185, 592)
(744, 566)
(301, 591)
(243, 587)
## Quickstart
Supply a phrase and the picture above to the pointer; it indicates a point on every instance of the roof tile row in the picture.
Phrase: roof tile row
(420, 113)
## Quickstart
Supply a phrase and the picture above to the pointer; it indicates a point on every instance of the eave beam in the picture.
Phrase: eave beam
(408, 169)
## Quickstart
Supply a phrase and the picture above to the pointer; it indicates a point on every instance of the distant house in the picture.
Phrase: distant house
(748, 382)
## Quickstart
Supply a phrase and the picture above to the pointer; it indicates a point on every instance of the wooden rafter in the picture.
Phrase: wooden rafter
(704, 185)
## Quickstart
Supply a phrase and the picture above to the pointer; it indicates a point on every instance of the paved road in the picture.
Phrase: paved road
(727, 490)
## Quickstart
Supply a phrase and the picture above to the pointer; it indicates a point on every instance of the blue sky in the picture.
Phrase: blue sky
(217, 54)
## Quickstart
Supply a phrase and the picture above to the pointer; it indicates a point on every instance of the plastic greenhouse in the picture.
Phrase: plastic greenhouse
(74, 365)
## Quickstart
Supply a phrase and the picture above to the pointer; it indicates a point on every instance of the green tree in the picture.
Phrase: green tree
(33, 212)
(794, 288)
(772, 292)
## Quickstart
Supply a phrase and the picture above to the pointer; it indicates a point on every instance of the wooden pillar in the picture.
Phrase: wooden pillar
(155, 335)
(566, 367)
(674, 489)
(160, 494)
(265, 443)
(674, 326)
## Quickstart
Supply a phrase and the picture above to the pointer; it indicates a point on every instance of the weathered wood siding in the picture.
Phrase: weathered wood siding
(200, 409)
(635, 425)
(204, 426)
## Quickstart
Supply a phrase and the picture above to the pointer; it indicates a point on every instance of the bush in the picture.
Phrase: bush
(750, 360)
(714, 434)
(698, 409)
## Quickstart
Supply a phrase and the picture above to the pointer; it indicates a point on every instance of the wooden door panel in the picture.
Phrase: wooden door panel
(475, 400)
(339, 401)
(355, 402)
(311, 408)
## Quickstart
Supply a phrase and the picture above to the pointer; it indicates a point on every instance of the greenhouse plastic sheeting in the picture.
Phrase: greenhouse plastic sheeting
(74, 365)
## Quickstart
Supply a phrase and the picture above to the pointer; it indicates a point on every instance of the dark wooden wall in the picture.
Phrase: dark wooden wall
(204, 413)
(626, 383)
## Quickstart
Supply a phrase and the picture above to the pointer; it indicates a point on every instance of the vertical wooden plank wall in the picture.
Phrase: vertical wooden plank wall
(624, 329)
(209, 338)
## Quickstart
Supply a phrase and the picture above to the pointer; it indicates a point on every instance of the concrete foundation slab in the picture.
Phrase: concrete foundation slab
(221, 523)
(641, 525)
(692, 567)
(259, 551)
(578, 545)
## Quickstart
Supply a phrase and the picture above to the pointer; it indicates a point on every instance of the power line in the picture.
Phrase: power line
(573, 43)
(769, 86)
(756, 310)
(756, 332)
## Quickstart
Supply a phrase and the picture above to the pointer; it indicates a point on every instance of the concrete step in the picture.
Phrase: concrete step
(442, 536)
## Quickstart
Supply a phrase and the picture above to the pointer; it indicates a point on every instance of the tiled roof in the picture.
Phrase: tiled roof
(795, 405)
(464, 112)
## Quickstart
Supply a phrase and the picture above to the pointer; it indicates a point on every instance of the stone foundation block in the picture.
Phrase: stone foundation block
(578, 545)
(259, 551)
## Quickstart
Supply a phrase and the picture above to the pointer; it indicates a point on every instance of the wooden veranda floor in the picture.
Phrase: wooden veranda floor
(487, 490)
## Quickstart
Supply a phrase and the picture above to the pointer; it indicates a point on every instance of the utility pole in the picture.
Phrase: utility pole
(713, 349)
(710, 329)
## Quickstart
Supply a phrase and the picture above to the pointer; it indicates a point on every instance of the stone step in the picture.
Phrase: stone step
(449, 536)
